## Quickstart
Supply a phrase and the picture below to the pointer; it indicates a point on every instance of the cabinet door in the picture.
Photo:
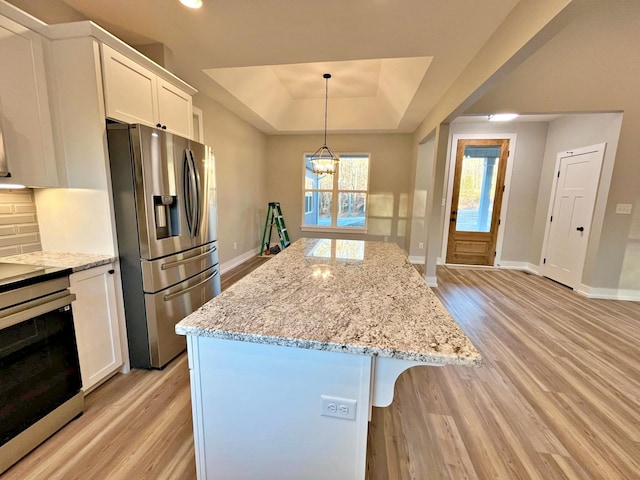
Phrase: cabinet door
(130, 90)
(96, 322)
(24, 108)
(175, 109)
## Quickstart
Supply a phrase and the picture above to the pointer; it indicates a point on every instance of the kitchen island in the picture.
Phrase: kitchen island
(287, 363)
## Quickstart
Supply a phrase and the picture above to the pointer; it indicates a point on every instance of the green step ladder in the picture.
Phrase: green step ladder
(274, 218)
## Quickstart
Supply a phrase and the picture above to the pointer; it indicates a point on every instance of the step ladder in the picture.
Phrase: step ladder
(274, 218)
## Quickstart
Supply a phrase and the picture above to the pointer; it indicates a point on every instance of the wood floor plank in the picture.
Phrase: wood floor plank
(558, 397)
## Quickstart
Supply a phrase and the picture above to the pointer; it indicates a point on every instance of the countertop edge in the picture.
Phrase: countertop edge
(74, 261)
(441, 359)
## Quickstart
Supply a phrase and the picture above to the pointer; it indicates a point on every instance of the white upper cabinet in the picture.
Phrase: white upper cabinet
(25, 117)
(175, 109)
(133, 94)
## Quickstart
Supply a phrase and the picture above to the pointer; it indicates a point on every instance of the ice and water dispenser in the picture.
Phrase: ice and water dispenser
(167, 221)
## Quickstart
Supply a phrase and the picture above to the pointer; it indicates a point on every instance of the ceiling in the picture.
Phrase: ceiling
(390, 61)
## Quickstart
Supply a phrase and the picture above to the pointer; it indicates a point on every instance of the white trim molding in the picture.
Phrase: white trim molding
(417, 259)
(240, 259)
(524, 266)
(608, 293)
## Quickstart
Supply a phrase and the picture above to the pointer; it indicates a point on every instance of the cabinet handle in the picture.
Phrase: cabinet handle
(112, 271)
(158, 125)
(164, 127)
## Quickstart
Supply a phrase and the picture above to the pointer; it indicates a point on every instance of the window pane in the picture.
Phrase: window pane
(325, 182)
(353, 172)
(352, 209)
(477, 189)
(308, 202)
(320, 182)
(320, 213)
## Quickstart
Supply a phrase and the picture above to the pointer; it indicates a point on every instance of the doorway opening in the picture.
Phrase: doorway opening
(476, 200)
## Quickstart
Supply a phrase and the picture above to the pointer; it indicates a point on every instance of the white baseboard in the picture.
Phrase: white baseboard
(234, 262)
(418, 260)
(527, 267)
(609, 293)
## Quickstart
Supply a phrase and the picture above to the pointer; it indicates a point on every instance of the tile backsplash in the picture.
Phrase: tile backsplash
(18, 223)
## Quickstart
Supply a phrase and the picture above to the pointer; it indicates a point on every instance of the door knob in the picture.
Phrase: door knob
(580, 229)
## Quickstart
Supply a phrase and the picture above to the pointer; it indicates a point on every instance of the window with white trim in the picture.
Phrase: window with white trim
(337, 201)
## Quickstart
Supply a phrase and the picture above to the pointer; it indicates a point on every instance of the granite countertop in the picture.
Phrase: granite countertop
(337, 295)
(75, 261)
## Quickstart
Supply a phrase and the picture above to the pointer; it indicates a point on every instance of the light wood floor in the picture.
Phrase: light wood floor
(558, 397)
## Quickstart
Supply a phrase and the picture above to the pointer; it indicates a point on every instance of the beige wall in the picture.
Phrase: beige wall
(389, 175)
(592, 65)
(423, 181)
(240, 153)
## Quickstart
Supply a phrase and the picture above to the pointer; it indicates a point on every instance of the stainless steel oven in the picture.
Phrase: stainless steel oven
(40, 383)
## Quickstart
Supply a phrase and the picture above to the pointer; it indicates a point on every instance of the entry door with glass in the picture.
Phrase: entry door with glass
(478, 185)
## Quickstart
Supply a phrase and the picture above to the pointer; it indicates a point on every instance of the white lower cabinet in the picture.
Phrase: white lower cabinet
(96, 322)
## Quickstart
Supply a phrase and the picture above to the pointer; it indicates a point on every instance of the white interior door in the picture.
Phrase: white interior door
(578, 174)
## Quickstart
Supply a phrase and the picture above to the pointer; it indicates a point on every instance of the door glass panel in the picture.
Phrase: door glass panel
(477, 188)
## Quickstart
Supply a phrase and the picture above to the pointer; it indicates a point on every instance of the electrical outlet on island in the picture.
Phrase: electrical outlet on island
(344, 408)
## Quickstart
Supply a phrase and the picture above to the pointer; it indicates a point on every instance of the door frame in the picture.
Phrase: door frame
(552, 197)
(449, 177)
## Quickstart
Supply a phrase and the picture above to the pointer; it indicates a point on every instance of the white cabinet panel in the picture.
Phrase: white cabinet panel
(96, 322)
(24, 108)
(175, 109)
(134, 94)
(130, 90)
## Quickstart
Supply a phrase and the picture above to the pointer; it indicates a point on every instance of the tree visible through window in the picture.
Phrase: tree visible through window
(338, 200)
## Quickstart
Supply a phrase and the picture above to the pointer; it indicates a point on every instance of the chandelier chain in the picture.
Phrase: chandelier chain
(326, 106)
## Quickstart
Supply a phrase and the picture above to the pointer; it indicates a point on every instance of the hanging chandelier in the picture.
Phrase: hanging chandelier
(324, 161)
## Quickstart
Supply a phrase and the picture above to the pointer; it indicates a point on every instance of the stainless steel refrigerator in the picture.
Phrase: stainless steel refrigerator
(164, 195)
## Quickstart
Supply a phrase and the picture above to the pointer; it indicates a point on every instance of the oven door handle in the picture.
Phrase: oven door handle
(34, 308)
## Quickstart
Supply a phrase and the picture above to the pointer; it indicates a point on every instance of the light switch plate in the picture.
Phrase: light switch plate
(623, 208)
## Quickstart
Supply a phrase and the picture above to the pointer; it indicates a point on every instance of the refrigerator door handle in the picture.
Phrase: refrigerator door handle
(188, 180)
(170, 296)
(167, 266)
(197, 201)
(186, 190)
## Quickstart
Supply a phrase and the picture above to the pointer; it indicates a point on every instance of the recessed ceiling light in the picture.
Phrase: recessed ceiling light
(502, 117)
(191, 3)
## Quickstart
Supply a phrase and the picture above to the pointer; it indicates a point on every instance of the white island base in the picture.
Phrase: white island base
(259, 412)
